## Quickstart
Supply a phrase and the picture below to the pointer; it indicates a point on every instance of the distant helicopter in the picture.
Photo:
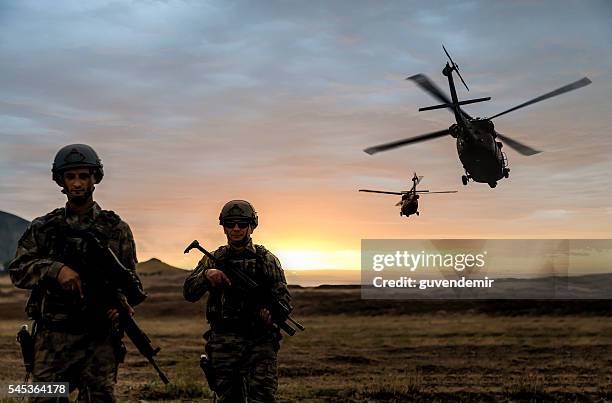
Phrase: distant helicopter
(477, 145)
(410, 198)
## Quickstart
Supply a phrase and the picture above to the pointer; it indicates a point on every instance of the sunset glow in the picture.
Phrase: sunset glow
(192, 104)
(314, 259)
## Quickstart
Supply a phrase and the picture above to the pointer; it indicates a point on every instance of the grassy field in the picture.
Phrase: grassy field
(387, 358)
(356, 350)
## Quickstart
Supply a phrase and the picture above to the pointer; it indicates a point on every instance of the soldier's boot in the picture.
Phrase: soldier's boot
(95, 394)
(230, 392)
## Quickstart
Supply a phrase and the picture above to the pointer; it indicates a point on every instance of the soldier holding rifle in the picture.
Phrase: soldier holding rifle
(77, 337)
(243, 340)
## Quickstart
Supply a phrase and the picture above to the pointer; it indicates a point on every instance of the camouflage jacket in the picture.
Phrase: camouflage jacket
(231, 306)
(41, 253)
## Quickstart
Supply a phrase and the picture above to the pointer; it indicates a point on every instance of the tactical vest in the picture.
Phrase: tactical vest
(233, 308)
(49, 304)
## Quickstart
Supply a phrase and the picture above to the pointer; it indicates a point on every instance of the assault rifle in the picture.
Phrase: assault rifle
(280, 310)
(108, 284)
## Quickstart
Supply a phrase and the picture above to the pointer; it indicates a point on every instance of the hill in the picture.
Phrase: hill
(164, 285)
(11, 229)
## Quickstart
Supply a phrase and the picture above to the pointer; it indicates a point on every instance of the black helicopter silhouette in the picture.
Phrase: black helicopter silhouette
(410, 198)
(477, 145)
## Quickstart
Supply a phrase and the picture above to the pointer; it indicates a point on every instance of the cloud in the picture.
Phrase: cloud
(190, 103)
(555, 214)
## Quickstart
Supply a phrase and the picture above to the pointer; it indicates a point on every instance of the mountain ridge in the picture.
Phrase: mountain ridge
(12, 228)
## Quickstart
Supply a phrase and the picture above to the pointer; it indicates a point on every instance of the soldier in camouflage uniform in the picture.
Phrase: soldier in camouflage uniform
(242, 343)
(75, 341)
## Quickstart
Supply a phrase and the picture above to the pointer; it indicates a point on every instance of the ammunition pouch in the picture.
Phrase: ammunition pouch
(65, 312)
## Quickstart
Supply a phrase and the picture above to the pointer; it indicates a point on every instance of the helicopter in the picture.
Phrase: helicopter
(478, 145)
(410, 198)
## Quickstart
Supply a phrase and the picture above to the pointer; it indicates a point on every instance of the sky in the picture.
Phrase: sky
(194, 103)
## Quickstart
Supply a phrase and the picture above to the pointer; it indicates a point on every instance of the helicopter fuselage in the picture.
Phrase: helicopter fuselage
(410, 205)
(478, 150)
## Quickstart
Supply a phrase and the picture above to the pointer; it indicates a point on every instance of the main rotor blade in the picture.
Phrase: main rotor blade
(399, 143)
(520, 147)
(381, 191)
(566, 88)
(428, 86)
(446, 191)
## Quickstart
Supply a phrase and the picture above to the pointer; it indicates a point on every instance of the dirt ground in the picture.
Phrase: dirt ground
(354, 350)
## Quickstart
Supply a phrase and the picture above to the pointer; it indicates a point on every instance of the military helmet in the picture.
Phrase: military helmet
(76, 156)
(238, 210)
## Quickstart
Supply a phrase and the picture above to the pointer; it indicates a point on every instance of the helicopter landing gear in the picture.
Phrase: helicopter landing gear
(492, 184)
(417, 213)
(506, 173)
(464, 180)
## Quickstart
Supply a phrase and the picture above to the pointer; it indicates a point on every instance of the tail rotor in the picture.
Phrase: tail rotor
(455, 67)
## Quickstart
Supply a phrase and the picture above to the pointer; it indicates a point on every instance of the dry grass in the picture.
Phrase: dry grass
(395, 358)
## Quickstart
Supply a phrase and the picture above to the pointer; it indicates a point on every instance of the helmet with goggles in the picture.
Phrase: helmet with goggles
(238, 211)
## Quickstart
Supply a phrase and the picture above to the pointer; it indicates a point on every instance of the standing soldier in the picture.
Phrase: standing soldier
(76, 340)
(242, 342)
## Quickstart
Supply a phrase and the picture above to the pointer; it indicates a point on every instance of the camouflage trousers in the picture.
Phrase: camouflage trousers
(242, 368)
(86, 361)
